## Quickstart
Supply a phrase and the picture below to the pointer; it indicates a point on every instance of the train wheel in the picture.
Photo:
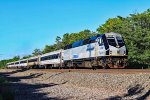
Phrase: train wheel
(105, 67)
(94, 67)
(75, 66)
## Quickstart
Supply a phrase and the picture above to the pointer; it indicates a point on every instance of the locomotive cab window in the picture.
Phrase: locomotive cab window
(111, 41)
(120, 41)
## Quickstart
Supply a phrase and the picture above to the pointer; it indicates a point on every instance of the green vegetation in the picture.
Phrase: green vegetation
(136, 32)
(68, 39)
(135, 29)
(4, 62)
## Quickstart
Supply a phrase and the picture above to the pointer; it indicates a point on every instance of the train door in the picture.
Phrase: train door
(101, 48)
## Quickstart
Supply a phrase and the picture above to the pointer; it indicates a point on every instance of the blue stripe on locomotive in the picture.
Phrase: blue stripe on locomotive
(77, 44)
(80, 43)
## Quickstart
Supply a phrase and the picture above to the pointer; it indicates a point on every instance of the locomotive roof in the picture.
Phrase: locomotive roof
(80, 42)
(53, 52)
(23, 59)
(112, 34)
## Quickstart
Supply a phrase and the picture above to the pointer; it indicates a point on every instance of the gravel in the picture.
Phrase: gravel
(34, 85)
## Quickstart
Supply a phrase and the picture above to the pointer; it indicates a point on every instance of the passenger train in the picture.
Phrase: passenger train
(102, 51)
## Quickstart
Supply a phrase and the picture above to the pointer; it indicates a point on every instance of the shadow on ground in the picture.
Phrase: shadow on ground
(132, 91)
(13, 72)
(24, 91)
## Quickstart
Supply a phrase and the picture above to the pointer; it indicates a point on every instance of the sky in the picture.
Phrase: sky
(29, 24)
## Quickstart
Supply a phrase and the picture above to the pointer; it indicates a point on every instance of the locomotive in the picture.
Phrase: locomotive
(102, 51)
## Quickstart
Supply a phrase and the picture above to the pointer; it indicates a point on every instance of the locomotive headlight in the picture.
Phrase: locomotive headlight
(118, 51)
(110, 52)
(117, 46)
(124, 52)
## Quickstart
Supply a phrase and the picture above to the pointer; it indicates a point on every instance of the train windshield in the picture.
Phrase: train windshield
(120, 41)
(111, 41)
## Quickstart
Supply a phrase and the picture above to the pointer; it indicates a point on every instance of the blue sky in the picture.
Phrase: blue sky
(29, 24)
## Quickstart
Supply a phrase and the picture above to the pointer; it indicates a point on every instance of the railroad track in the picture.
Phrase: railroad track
(113, 71)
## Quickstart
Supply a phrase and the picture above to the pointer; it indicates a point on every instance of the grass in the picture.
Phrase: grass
(5, 92)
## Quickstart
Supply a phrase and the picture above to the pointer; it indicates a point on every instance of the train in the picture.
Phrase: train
(101, 51)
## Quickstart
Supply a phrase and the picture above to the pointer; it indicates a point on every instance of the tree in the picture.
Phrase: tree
(28, 56)
(72, 37)
(136, 32)
(58, 44)
(48, 48)
(66, 39)
(4, 62)
(16, 58)
(111, 25)
(37, 52)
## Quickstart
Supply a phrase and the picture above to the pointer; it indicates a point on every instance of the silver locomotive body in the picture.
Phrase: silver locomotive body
(104, 50)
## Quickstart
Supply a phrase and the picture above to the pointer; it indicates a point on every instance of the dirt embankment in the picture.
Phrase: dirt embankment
(40, 85)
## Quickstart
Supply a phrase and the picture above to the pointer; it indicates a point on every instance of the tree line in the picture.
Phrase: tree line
(135, 29)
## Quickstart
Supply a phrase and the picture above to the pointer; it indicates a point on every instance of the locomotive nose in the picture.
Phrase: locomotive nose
(116, 51)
